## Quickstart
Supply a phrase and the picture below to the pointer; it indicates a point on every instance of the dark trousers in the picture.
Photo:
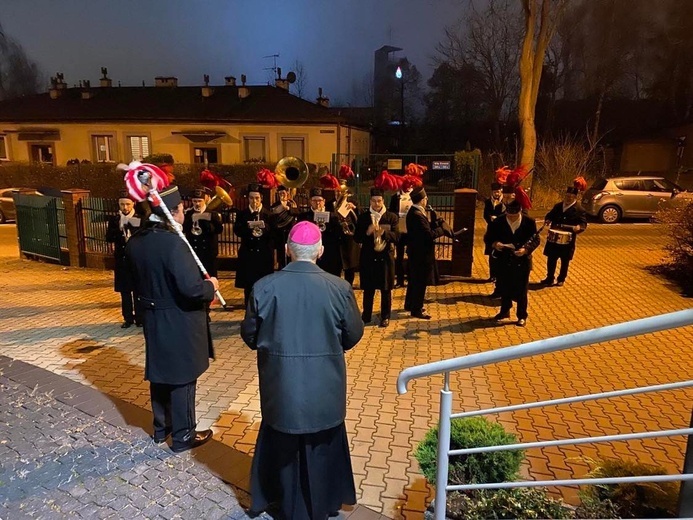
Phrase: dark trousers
(129, 307)
(349, 275)
(416, 292)
(246, 295)
(399, 259)
(281, 256)
(385, 304)
(551, 263)
(507, 304)
(173, 407)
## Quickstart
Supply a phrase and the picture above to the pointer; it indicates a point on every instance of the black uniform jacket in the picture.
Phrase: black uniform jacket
(331, 259)
(206, 244)
(121, 278)
(377, 268)
(301, 320)
(421, 247)
(491, 213)
(514, 272)
(573, 216)
(173, 296)
(256, 254)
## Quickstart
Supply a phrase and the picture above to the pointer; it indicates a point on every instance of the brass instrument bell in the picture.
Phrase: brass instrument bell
(291, 172)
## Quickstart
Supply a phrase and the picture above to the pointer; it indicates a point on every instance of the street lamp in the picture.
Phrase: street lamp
(400, 77)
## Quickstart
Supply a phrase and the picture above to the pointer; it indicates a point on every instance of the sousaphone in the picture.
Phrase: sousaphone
(291, 172)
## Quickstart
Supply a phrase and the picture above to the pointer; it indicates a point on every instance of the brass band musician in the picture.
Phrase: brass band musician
(284, 212)
(202, 229)
(331, 259)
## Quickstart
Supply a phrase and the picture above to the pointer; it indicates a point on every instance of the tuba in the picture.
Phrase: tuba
(348, 227)
(291, 172)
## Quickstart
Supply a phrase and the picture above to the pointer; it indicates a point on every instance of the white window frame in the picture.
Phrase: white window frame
(143, 153)
(111, 147)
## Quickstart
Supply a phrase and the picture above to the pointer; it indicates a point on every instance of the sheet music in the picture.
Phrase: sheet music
(201, 216)
(252, 224)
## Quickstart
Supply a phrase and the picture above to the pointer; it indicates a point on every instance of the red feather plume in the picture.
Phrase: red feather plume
(329, 182)
(502, 174)
(345, 172)
(411, 181)
(388, 182)
(580, 183)
(415, 170)
(267, 178)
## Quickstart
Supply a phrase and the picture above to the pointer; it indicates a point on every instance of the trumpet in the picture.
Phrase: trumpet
(447, 230)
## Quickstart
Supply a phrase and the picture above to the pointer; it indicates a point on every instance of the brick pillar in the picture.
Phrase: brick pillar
(74, 225)
(465, 208)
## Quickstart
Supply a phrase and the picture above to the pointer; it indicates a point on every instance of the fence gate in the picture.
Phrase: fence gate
(41, 227)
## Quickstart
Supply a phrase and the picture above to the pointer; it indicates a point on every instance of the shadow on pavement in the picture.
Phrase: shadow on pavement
(439, 327)
(476, 299)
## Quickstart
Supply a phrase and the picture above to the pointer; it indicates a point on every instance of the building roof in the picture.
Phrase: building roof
(180, 104)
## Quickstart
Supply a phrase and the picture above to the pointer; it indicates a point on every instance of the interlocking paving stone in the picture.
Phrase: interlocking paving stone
(73, 330)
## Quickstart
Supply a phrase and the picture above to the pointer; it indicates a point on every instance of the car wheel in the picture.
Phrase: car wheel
(610, 214)
(3, 218)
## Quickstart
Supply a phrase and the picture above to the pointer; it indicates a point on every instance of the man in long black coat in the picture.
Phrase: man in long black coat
(301, 320)
(202, 229)
(120, 228)
(513, 238)
(172, 295)
(331, 259)
(400, 203)
(256, 255)
(565, 216)
(376, 231)
(284, 212)
(493, 208)
(421, 251)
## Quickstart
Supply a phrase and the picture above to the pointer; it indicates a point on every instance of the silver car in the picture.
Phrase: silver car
(629, 197)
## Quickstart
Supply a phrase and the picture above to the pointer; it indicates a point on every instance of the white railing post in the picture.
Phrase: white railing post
(686, 492)
(443, 449)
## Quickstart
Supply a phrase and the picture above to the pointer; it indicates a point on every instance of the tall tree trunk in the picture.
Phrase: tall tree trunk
(598, 115)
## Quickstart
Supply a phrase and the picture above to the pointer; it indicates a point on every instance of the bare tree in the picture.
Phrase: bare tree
(540, 18)
(19, 75)
(301, 84)
(488, 41)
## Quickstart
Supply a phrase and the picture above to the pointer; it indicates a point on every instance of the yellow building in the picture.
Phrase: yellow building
(226, 124)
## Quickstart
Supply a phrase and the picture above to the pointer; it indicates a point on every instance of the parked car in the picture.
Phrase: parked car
(7, 210)
(615, 198)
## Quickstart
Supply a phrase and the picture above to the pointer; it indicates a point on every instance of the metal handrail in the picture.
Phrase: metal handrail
(546, 346)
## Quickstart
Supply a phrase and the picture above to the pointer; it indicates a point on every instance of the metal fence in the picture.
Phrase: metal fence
(97, 212)
(547, 346)
(41, 227)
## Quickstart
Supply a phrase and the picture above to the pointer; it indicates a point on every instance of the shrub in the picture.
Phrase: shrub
(473, 432)
(505, 503)
(636, 500)
(679, 265)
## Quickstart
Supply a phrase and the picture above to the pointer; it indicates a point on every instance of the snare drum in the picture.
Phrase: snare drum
(557, 236)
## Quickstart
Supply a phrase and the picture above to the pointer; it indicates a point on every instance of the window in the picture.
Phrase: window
(103, 148)
(628, 185)
(254, 149)
(41, 153)
(139, 147)
(292, 147)
(205, 155)
(4, 156)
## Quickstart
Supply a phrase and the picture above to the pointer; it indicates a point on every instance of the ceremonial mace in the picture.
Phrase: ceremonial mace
(144, 178)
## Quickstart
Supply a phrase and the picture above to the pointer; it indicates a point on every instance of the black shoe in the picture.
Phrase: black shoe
(138, 324)
(501, 316)
(421, 315)
(198, 440)
(365, 321)
(384, 323)
(547, 281)
(159, 440)
(559, 284)
(521, 322)
(126, 325)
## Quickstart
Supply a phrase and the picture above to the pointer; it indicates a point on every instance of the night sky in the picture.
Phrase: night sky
(140, 39)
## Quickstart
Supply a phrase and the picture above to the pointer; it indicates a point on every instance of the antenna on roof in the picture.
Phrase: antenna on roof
(273, 68)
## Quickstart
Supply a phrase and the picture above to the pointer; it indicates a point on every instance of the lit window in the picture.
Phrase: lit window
(41, 153)
(139, 147)
(254, 148)
(103, 146)
(4, 156)
(293, 147)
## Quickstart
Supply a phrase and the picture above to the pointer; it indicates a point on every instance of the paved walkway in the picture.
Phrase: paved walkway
(66, 320)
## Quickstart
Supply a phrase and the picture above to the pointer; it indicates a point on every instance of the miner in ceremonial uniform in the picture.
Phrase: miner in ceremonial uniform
(376, 231)
(493, 208)
(284, 212)
(202, 229)
(172, 295)
(400, 203)
(120, 228)
(331, 229)
(256, 253)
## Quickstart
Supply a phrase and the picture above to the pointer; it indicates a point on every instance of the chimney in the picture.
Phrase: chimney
(281, 82)
(54, 91)
(105, 81)
(87, 92)
(322, 101)
(165, 81)
(207, 90)
(243, 91)
(230, 81)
